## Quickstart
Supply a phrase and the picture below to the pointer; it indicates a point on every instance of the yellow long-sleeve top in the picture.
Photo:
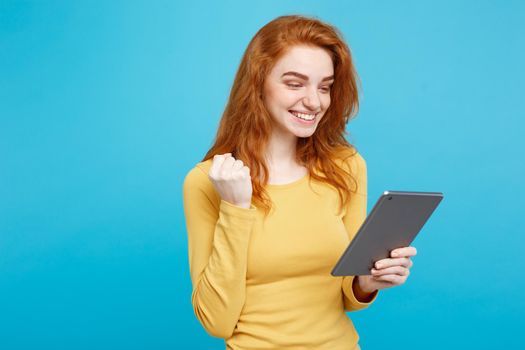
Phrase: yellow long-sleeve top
(267, 284)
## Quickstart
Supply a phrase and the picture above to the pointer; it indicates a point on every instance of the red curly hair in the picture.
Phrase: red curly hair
(245, 113)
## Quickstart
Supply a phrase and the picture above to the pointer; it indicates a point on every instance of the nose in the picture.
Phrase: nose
(312, 100)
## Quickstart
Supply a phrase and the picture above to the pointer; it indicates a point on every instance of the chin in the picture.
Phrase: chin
(305, 133)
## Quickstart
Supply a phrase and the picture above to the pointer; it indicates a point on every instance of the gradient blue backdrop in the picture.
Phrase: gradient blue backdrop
(106, 105)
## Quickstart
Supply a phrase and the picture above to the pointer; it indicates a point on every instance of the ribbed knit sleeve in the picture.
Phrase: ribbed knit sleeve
(353, 219)
(218, 238)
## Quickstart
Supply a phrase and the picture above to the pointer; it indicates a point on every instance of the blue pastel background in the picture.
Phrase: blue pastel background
(106, 105)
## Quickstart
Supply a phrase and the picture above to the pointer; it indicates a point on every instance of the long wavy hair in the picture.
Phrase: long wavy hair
(246, 124)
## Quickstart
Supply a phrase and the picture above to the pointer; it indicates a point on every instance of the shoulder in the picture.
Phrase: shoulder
(353, 162)
(197, 179)
(350, 159)
(199, 172)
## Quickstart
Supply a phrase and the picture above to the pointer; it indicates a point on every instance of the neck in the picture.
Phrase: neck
(281, 150)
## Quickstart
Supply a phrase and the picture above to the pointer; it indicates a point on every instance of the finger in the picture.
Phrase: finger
(387, 283)
(218, 159)
(246, 171)
(395, 270)
(381, 264)
(226, 168)
(394, 279)
(237, 165)
(403, 252)
(379, 280)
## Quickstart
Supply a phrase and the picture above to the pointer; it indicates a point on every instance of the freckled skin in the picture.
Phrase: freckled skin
(293, 93)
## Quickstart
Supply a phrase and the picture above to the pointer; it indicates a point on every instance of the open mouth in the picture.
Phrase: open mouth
(303, 116)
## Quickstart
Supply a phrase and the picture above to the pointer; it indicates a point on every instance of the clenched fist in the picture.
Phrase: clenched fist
(231, 178)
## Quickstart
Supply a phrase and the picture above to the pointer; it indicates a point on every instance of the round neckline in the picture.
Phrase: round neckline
(289, 184)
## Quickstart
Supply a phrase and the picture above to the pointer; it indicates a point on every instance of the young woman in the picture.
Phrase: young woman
(278, 197)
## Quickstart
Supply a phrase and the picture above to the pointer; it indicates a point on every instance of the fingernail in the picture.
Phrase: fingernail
(378, 265)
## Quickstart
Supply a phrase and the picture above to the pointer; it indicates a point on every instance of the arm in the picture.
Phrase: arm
(354, 297)
(218, 238)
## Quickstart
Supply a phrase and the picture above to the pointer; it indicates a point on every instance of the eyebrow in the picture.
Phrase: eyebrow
(304, 77)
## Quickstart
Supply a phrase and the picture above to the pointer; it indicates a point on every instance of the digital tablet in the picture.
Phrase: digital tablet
(394, 222)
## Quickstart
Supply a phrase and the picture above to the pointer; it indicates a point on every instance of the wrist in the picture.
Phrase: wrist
(362, 292)
(243, 205)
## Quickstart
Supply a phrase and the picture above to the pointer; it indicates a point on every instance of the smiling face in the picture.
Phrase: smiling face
(297, 90)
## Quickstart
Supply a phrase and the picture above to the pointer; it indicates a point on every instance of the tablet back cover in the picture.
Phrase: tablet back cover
(394, 222)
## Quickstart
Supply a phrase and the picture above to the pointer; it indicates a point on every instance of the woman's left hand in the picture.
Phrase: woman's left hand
(388, 272)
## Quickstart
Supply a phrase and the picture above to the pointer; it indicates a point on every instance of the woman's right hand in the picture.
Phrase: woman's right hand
(231, 178)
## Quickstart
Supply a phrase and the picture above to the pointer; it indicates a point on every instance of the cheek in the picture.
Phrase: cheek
(326, 101)
(277, 98)
(288, 98)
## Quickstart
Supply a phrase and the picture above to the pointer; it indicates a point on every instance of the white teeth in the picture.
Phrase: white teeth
(304, 116)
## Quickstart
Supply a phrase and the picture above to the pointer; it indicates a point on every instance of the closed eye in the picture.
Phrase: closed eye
(295, 86)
